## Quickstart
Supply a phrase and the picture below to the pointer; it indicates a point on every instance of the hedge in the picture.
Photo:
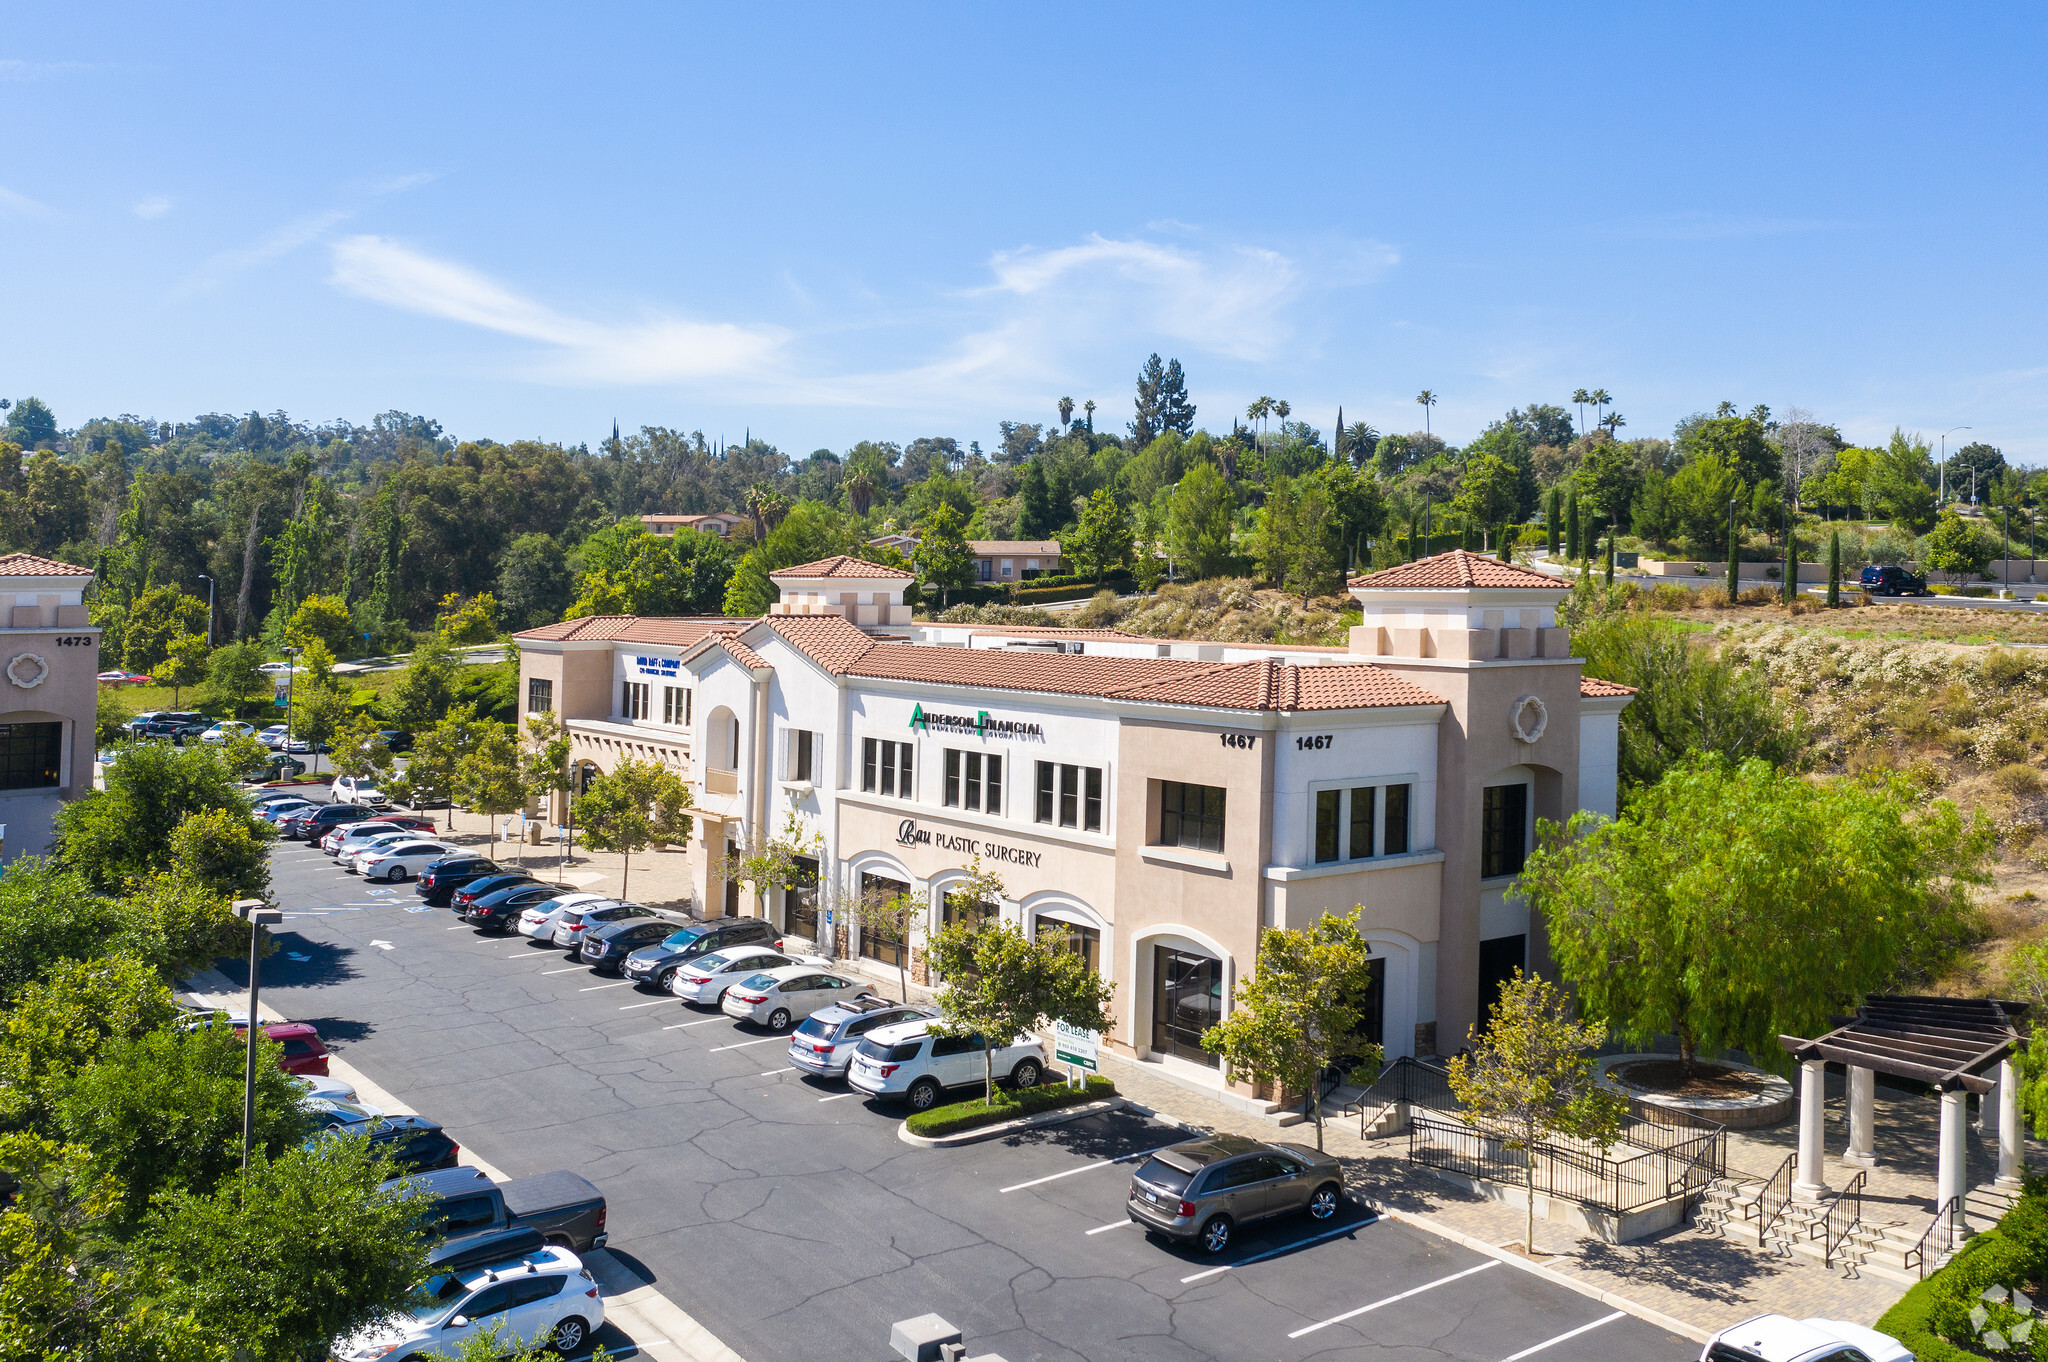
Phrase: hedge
(1008, 1106)
(2013, 1254)
(1120, 578)
(1046, 595)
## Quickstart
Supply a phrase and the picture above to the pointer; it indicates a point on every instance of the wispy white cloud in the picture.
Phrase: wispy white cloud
(1695, 225)
(152, 207)
(650, 350)
(13, 205)
(219, 268)
(398, 184)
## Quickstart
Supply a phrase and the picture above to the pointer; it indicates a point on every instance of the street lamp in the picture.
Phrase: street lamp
(258, 917)
(291, 674)
(209, 608)
(1943, 494)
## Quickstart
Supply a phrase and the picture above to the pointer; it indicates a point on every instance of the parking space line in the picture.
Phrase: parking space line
(1113, 1225)
(1099, 1163)
(571, 970)
(1284, 1248)
(1582, 1329)
(680, 1025)
(1412, 1291)
(656, 1003)
(456, 928)
(623, 983)
(745, 1043)
(837, 1096)
(771, 1073)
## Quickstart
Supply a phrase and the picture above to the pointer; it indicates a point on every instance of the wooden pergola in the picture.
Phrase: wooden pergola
(1956, 1046)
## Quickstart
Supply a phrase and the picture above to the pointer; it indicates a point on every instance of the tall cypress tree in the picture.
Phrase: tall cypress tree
(1734, 577)
(1034, 503)
(1550, 520)
(1571, 526)
(1610, 555)
(1834, 569)
(1791, 561)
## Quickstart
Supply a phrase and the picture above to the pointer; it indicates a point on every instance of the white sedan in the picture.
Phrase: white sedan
(352, 854)
(539, 921)
(352, 836)
(705, 979)
(780, 998)
(350, 790)
(333, 1089)
(225, 729)
(400, 861)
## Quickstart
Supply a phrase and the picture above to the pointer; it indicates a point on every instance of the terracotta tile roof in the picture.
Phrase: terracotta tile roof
(1028, 547)
(843, 565)
(28, 565)
(1454, 570)
(657, 631)
(1592, 688)
(1054, 631)
(829, 639)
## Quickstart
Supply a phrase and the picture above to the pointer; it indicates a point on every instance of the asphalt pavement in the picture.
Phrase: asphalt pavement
(784, 1213)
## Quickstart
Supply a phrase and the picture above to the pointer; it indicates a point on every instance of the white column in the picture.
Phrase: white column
(1952, 1175)
(1862, 1128)
(1809, 1184)
(2010, 1157)
(1987, 1107)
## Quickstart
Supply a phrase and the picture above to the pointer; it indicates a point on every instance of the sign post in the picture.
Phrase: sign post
(1076, 1049)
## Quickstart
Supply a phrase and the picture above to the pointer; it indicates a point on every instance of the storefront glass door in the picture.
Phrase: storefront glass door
(800, 901)
(880, 939)
(1187, 999)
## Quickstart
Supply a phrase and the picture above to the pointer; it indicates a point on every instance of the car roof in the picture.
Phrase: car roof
(744, 950)
(443, 1182)
(280, 1030)
(485, 1246)
(1197, 1154)
(866, 1003)
(782, 972)
(895, 1033)
(549, 1257)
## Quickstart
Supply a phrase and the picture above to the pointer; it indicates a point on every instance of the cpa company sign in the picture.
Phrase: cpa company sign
(981, 725)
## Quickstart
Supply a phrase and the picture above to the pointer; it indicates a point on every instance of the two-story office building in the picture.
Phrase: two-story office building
(49, 697)
(1154, 803)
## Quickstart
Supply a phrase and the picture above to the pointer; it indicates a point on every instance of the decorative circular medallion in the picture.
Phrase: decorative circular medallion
(28, 670)
(1529, 717)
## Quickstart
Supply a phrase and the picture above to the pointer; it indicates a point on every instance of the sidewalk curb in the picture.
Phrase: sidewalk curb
(1564, 1279)
(1057, 1116)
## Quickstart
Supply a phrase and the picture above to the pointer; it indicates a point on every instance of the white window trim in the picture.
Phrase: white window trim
(1030, 815)
(858, 770)
(1307, 851)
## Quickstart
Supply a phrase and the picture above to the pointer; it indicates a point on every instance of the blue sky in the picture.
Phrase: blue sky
(830, 223)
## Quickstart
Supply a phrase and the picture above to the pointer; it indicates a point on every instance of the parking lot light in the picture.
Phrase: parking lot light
(259, 915)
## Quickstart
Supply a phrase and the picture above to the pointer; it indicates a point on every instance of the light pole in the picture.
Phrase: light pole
(258, 917)
(209, 608)
(291, 675)
(1942, 495)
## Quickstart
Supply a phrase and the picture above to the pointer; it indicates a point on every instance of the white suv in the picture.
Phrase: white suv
(908, 1063)
(1775, 1338)
(350, 790)
(546, 1297)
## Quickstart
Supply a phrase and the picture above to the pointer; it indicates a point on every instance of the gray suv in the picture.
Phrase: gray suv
(825, 1042)
(1204, 1189)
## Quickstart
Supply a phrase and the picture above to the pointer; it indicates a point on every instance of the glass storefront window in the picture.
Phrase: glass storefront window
(883, 941)
(1187, 999)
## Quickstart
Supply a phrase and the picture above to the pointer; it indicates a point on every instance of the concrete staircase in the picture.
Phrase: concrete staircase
(1728, 1208)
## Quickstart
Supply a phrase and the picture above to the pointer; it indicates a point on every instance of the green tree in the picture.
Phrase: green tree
(1611, 477)
(942, 557)
(472, 619)
(224, 851)
(1000, 985)
(544, 761)
(1553, 510)
(637, 805)
(110, 719)
(430, 770)
(427, 686)
(235, 677)
(487, 776)
(1198, 523)
(1487, 492)
(184, 665)
(1730, 904)
(1957, 550)
(320, 713)
(360, 750)
(58, 1025)
(1102, 541)
(1298, 1014)
(124, 831)
(156, 618)
(1298, 542)
(245, 758)
(534, 582)
(325, 619)
(1834, 569)
(1037, 517)
(1740, 444)
(1699, 494)
(1531, 1076)
(31, 423)
(1572, 549)
(811, 530)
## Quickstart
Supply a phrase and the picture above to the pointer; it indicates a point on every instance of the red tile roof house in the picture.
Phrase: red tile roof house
(1152, 802)
(719, 523)
(1014, 560)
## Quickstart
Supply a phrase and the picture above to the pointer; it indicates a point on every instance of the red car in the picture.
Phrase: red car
(303, 1051)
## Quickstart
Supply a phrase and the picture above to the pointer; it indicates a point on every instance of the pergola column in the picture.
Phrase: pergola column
(2010, 1158)
(1862, 1113)
(1952, 1173)
(1809, 1183)
(1987, 1108)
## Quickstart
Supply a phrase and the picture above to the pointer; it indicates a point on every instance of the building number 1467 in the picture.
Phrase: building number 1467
(1315, 742)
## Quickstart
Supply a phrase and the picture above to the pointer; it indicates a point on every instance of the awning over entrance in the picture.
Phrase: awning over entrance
(1945, 1042)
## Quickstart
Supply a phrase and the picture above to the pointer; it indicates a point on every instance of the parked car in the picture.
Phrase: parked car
(779, 998)
(1201, 1191)
(225, 729)
(307, 745)
(339, 839)
(907, 1063)
(487, 884)
(605, 946)
(176, 725)
(304, 1052)
(333, 1089)
(657, 964)
(276, 668)
(705, 979)
(538, 921)
(824, 1043)
(1893, 581)
(529, 1299)
(137, 722)
(285, 808)
(499, 911)
(317, 822)
(401, 861)
(350, 857)
(273, 736)
(334, 1113)
(439, 881)
(1777, 1338)
(413, 1143)
(117, 677)
(567, 1210)
(356, 790)
(396, 740)
(573, 922)
(281, 766)
(259, 803)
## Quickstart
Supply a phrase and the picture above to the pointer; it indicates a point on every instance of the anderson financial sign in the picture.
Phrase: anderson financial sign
(980, 725)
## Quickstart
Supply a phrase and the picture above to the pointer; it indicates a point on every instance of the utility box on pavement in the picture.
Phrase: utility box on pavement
(919, 1340)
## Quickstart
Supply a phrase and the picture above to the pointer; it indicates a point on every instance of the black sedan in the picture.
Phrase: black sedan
(499, 910)
(469, 893)
(439, 881)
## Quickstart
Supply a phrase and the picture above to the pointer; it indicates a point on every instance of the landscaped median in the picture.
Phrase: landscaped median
(1011, 1108)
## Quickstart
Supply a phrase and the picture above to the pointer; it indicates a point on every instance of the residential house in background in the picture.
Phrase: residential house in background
(719, 523)
(1014, 560)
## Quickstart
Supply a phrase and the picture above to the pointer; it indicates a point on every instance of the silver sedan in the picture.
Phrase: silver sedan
(779, 998)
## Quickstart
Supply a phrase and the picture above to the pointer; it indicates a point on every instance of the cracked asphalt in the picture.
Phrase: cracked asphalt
(797, 1227)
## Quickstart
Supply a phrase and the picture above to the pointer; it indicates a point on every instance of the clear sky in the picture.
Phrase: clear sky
(829, 223)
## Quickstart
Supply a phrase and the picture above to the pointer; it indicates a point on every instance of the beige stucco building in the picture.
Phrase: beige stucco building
(1156, 803)
(49, 696)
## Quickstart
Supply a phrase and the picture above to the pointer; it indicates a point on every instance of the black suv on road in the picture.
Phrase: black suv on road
(439, 881)
(1893, 581)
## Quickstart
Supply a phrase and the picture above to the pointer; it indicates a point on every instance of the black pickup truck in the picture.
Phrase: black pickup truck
(566, 1209)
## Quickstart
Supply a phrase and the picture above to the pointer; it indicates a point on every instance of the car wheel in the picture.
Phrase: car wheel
(1026, 1074)
(665, 981)
(778, 1020)
(569, 1336)
(923, 1094)
(1216, 1234)
(1324, 1203)
(397, 875)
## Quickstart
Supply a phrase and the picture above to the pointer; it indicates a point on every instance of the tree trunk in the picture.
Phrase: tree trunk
(988, 1074)
(625, 874)
(1688, 1052)
(248, 575)
(1529, 1160)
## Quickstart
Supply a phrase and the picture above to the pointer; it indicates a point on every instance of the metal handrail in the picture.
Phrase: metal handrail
(1944, 1225)
(1844, 1212)
(1774, 1198)
(1683, 1182)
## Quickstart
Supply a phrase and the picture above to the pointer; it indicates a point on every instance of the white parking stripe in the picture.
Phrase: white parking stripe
(456, 928)
(571, 970)
(837, 1096)
(772, 1073)
(681, 1025)
(1112, 1225)
(623, 983)
(1284, 1248)
(656, 1003)
(765, 1040)
(1582, 1329)
(1413, 1291)
(1100, 1163)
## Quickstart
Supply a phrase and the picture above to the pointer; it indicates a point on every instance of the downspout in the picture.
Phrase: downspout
(760, 778)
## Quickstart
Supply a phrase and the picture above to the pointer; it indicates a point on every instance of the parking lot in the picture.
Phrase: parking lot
(785, 1214)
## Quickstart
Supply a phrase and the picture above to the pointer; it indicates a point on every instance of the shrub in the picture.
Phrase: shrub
(2017, 778)
(1935, 1315)
(1008, 1106)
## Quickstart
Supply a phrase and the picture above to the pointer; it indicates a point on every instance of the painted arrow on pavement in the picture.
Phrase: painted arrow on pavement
(383, 945)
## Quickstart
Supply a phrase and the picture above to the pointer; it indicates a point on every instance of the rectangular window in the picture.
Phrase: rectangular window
(1091, 799)
(540, 695)
(885, 767)
(869, 749)
(802, 744)
(1045, 791)
(1327, 809)
(995, 784)
(1069, 795)
(1394, 832)
(1190, 816)
(30, 755)
(1072, 937)
(904, 789)
(675, 705)
(1503, 830)
(972, 793)
(1362, 800)
(952, 779)
(633, 700)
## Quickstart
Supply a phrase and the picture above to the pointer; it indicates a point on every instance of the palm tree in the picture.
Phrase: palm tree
(758, 497)
(1066, 413)
(1581, 397)
(1599, 398)
(774, 508)
(1426, 399)
(1281, 412)
(1260, 408)
(860, 488)
(1089, 407)
(1614, 421)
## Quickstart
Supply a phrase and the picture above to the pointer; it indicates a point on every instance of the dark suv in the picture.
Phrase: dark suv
(1893, 581)
(1204, 1189)
(177, 726)
(654, 964)
(439, 881)
(315, 823)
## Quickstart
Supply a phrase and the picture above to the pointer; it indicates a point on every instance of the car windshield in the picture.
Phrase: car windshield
(817, 1026)
(688, 936)
(1165, 1176)
(709, 964)
(758, 981)
(435, 1295)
